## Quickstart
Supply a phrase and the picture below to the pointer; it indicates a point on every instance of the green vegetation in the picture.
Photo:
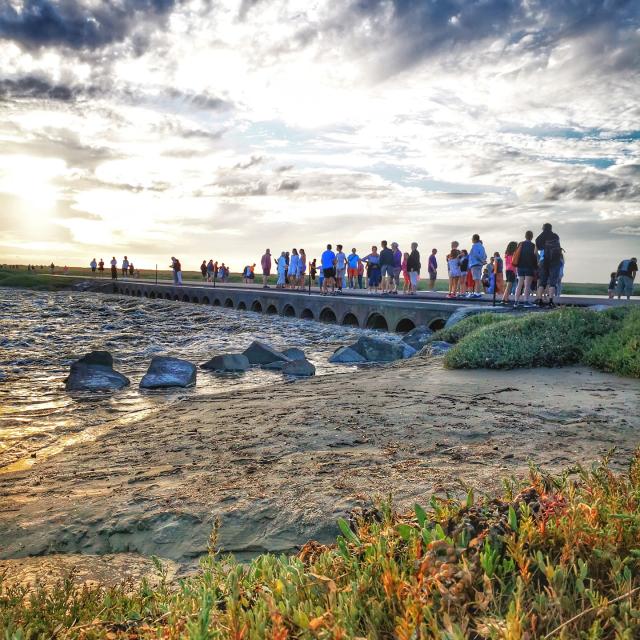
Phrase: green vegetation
(468, 325)
(30, 280)
(556, 557)
(607, 340)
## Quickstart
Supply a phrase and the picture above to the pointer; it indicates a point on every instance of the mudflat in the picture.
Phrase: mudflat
(276, 466)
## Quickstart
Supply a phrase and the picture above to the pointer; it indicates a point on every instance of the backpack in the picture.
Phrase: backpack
(516, 255)
(552, 251)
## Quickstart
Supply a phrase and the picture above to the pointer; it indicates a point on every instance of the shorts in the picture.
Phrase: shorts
(266, 272)
(413, 278)
(352, 273)
(340, 273)
(374, 277)
(329, 273)
(396, 274)
(386, 270)
(476, 272)
(407, 280)
(549, 276)
(525, 272)
(434, 274)
(511, 276)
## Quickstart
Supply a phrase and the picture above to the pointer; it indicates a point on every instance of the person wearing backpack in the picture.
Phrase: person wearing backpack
(524, 259)
(550, 252)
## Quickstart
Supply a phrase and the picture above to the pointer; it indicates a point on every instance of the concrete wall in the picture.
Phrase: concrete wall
(392, 314)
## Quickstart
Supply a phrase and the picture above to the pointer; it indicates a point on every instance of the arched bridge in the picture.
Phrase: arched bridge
(398, 313)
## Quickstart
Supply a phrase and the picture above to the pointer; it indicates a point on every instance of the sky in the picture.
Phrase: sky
(214, 129)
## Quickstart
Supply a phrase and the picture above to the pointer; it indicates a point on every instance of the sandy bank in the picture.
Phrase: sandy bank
(278, 465)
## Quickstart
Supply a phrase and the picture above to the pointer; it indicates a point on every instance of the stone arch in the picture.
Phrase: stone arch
(145, 294)
(167, 296)
(195, 299)
(185, 298)
(176, 298)
(228, 303)
(405, 325)
(272, 310)
(256, 306)
(289, 311)
(139, 293)
(437, 324)
(377, 321)
(242, 306)
(205, 300)
(307, 314)
(152, 295)
(216, 302)
(126, 292)
(328, 315)
(350, 320)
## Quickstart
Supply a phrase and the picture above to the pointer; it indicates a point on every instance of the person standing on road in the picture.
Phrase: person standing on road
(292, 269)
(282, 271)
(125, 267)
(177, 270)
(302, 268)
(265, 264)
(509, 270)
(413, 268)
(373, 270)
(210, 270)
(101, 267)
(397, 267)
(549, 264)
(328, 266)
(524, 259)
(93, 264)
(477, 258)
(114, 268)
(341, 268)
(386, 267)
(432, 267)
(352, 272)
(626, 274)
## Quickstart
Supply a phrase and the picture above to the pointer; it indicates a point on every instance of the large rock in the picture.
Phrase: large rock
(436, 348)
(260, 353)
(346, 355)
(464, 312)
(94, 372)
(293, 353)
(418, 337)
(299, 368)
(166, 372)
(227, 362)
(381, 350)
(275, 366)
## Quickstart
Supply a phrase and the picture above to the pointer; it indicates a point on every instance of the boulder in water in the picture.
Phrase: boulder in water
(418, 337)
(293, 353)
(95, 372)
(299, 368)
(227, 362)
(346, 355)
(166, 372)
(381, 350)
(275, 366)
(260, 353)
(436, 348)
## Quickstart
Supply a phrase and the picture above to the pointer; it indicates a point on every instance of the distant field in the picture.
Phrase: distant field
(569, 288)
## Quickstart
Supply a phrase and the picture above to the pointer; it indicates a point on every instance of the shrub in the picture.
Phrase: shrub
(550, 339)
(468, 325)
(554, 557)
(619, 351)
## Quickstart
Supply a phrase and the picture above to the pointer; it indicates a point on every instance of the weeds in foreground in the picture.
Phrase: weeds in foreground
(556, 557)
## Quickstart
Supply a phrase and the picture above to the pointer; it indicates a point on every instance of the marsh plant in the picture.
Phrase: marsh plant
(554, 557)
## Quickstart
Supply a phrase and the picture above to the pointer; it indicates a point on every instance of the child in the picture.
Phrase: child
(453, 262)
(612, 285)
(405, 274)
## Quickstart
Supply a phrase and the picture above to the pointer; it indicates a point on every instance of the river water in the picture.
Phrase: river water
(42, 333)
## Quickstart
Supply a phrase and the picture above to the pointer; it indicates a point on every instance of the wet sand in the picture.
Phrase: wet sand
(278, 465)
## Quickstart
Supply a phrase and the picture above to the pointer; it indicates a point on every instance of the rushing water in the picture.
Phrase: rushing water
(42, 333)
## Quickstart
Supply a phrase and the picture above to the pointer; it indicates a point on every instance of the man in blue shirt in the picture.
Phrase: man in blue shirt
(352, 260)
(328, 266)
(477, 258)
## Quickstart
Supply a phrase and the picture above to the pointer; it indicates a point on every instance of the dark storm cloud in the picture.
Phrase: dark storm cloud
(76, 24)
(594, 187)
(418, 29)
(288, 185)
(31, 87)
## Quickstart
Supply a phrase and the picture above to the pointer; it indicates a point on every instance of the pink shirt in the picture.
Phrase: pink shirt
(508, 266)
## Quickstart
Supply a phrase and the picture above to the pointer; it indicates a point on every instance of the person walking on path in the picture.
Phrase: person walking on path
(177, 270)
(265, 264)
(397, 267)
(328, 266)
(352, 272)
(524, 259)
(93, 264)
(626, 274)
(477, 258)
(549, 264)
(125, 267)
(386, 267)
(432, 267)
(413, 268)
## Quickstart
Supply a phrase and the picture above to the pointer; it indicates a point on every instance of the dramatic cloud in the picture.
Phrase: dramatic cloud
(211, 127)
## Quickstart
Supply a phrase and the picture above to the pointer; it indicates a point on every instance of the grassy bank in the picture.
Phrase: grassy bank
(34, 280)
(608, 340)
(554, 557)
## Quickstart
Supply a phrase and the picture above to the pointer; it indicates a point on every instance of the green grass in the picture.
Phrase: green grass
(468, 325)
(30, 280)
(553, 557)
(607, 340)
